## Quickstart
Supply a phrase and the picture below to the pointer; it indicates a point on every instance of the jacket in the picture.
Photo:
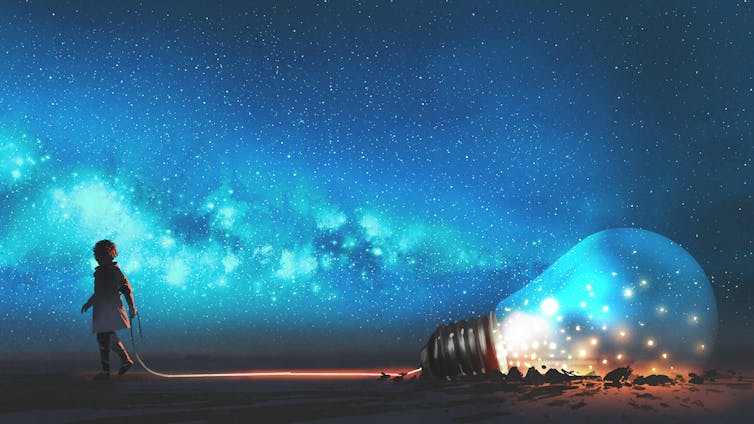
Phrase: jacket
(109, 313)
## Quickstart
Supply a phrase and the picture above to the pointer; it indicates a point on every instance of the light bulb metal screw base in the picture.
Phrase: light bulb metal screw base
(461, 348)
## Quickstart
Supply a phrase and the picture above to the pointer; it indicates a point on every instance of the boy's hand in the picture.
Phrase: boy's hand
(85, 307)
(132, 312)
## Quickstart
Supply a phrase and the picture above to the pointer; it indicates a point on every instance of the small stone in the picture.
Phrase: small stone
(618, 374)
(514, 375)
(654, 380)
(534, 377)
(695, 379)
(553, 376)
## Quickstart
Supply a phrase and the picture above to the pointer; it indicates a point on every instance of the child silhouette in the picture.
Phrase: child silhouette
(109, 314)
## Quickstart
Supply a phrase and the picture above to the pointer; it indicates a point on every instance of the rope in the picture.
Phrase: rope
(265, 374)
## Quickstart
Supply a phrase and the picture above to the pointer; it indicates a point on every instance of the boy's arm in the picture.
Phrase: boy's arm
(125, 288)
(87, 305)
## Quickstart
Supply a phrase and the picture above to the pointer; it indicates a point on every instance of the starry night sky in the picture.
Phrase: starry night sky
(345, 176)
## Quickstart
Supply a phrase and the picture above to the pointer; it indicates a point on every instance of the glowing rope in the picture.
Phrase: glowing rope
(266, 374)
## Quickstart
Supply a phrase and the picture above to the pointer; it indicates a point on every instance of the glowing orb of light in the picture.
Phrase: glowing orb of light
(549, 306)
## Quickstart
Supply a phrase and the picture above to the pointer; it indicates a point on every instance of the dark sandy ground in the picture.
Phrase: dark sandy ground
(50, 397)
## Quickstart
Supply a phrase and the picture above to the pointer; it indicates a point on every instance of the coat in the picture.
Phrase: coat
(109, 313)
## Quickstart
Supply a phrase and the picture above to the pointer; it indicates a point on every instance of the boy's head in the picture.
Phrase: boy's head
(105, 251)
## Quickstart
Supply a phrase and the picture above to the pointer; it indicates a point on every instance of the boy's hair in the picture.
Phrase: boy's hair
(104, 250)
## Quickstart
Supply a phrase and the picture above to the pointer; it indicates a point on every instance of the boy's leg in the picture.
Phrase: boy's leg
(103, 340)
(118, 348)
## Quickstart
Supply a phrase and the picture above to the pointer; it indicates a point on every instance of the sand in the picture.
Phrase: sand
(138, 397)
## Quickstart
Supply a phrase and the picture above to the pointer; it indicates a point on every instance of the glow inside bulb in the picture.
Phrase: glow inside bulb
(619, 297)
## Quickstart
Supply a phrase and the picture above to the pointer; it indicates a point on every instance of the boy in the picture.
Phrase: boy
(109, 314)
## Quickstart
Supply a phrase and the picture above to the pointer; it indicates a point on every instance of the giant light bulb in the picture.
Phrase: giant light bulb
(619, 297)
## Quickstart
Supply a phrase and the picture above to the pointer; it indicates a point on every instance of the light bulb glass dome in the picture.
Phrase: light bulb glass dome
(619, 297)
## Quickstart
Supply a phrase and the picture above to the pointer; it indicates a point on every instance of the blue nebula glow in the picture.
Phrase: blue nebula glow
(621, 296)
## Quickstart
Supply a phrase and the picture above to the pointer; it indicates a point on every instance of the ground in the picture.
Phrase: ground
(138, 397)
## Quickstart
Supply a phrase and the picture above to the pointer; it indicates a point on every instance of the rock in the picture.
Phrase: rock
(695, 379)
(553, 376)
(619, 374)
(534, 377)
(514, 375)
(653, 380)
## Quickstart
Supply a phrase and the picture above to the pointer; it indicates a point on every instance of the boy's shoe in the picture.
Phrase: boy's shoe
(102, 376)
(125, 367)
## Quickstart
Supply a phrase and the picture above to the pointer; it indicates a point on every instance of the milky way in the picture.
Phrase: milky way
(332, 175)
